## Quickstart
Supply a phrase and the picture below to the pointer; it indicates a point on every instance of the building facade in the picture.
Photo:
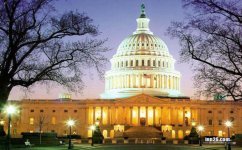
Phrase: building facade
(142, 89)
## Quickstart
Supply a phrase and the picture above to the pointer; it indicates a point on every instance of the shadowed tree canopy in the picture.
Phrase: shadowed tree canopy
(211, 37)
(33, 47)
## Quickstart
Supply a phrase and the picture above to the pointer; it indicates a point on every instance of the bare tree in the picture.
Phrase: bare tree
(211, 38)
(42, 121)
(33, 47)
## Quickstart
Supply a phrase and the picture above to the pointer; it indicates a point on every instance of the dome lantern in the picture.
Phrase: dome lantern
(143, 23)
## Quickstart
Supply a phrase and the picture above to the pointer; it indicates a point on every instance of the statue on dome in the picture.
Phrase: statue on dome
(143, 8)
(142, 11)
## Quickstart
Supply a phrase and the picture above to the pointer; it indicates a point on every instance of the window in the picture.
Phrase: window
(220, 112)
(219, 122)
(209, 111)
(31, 110)
(52, 130)
(126, 63)
(163, 64)
(210, 122)
(154, 63)
(148, 62)
(159, 63)
(65, 110)
(143, 44)
(75, 111)
(41, 110)
(53, 120)
(186, 121)
(220, 133)
(137, 63)
(122, 64)
(131, 63)
(31, 120)
(143, 62)
(231, 111)
(53, 111)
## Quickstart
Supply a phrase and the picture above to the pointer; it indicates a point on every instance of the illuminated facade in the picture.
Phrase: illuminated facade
(142, 89)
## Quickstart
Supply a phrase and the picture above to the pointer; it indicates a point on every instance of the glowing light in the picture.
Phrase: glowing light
(1, 122)
(93, 127)
(188, 114)
(97, 123)
(200, 128)
(10, 109)
(70, 122)
(228, 124)
(193, 123)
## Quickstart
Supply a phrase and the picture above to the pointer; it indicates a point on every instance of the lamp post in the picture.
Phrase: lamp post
(70, 123)
(9, 110)
(200, 129)
(93, 129)
(228, 124)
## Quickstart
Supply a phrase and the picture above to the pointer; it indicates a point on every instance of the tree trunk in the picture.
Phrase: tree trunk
(4, 93)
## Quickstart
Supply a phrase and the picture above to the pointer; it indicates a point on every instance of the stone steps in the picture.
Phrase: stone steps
(142, 132)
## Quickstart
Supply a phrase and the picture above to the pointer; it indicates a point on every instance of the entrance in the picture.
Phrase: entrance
(142, 121)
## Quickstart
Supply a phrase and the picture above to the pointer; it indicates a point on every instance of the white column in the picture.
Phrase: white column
(162, 81)
(170, 82)
(140, 80)
(154, 115)
(131, 115)
(167, 81)
(138, 115)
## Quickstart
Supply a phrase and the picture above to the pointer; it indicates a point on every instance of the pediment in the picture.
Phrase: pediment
(143, 99)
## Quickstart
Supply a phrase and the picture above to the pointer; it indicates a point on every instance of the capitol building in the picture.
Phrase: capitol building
(142, 98)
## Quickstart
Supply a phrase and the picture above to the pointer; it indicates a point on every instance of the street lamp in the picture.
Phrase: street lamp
(70, 123)
(228, 124)
(200, 129)
(9, 110)
(93, 128)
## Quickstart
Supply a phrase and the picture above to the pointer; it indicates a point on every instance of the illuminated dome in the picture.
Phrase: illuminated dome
(142, 64)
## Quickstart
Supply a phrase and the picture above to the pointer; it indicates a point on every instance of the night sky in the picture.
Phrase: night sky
(116, 20)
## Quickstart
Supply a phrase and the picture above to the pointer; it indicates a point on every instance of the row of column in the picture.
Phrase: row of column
(143, 81)
(132, 115)
(142, 62)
